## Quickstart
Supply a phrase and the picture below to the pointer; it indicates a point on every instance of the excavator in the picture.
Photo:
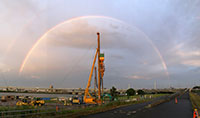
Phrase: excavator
(88, 98)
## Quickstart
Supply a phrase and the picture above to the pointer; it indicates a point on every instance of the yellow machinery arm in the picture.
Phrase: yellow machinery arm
(90, 99)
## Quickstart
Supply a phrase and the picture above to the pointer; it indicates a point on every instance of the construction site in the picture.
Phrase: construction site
(99, 59)
(41, 102)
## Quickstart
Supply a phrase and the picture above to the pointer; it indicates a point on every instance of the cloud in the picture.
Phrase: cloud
(120, 57)
(35, 77)
(169, 24)
(82, 34)
(192, 63)
(23, 7)
(188, 53)
(137, 77)
(4, 68)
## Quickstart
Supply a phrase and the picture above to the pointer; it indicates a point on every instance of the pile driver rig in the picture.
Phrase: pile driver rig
(99, 57)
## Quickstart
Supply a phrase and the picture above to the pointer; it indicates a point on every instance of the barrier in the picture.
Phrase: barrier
(195, 114)
(176, 101)
(57, 108)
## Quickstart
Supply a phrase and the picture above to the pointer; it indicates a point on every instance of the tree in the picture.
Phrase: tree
(140, 92)
(113, 92)
(130, 92)
(196, 87)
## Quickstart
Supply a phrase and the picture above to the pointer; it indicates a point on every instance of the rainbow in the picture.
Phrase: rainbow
(86, 17)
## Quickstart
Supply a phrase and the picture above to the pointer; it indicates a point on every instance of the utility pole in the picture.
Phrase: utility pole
(99, 79)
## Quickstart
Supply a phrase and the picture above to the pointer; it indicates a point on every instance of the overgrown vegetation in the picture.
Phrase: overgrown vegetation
(195, 99)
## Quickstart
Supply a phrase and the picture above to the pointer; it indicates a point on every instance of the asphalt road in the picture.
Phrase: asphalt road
(183, 109)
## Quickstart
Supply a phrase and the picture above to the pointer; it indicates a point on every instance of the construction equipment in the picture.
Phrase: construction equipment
(67, 103)
(38, 102)
(88, 99)
(23, 102)
(77, 100)
(7, 98)
(29, 102)
(105, 96)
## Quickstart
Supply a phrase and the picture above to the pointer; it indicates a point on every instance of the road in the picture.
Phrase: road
(183, 109)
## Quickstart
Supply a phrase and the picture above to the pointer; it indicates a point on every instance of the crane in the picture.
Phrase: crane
(88, 98)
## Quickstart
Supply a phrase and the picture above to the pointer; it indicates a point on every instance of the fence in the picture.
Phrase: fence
(39, 112)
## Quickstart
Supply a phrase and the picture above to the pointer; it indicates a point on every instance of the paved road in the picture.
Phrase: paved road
(166, 110)
(183, 109)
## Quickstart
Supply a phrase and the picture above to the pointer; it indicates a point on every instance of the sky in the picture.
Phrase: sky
(48, 42)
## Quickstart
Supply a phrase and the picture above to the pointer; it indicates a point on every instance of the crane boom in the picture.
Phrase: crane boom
(88, 100)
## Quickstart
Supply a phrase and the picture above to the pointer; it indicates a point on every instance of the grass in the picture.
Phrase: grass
(53, 101)
(195, 91)
(92, 110)
(139, 97)
(106, 107)
(5, 108)
(195, 99)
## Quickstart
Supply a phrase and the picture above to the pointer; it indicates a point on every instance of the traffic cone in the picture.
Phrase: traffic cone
(57, 108)
(176, 101)
(195, 114)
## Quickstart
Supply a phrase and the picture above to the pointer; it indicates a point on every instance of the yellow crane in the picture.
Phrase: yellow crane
(88, 99)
